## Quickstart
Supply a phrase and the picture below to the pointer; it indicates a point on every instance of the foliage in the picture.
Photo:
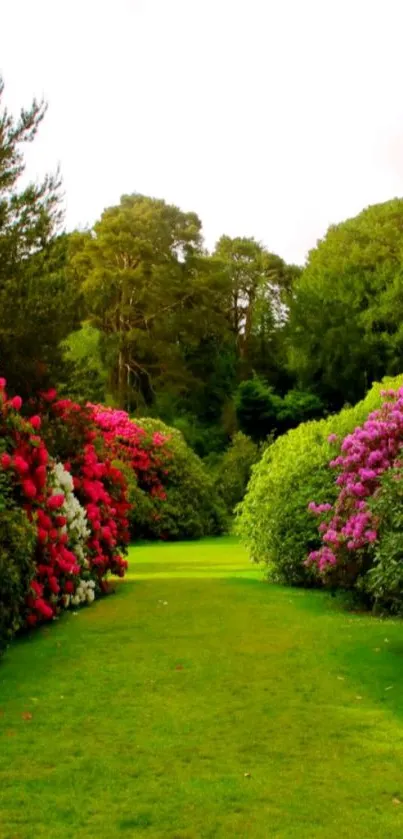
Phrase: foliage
(296, 407)
(261, 412)
(38, 300)
(77, 525)
(146, 454)
(204, 439)
(140, 275)
(17, 568)
(233, 469)
(257, 407)
(346, 310)
(258, 283)
(60, 533)
(85, 371)
(274, 519)
(383, 583)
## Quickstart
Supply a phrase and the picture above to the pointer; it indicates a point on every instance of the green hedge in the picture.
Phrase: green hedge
(273, 519)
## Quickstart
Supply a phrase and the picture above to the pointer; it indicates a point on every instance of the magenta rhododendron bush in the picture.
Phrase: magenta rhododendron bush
(147, 455)
(349, 528)
(98, 484)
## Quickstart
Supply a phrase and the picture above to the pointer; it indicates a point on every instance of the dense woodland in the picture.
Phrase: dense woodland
(136, 313)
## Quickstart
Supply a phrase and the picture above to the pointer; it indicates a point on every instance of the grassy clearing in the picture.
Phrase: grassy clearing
(199, 702)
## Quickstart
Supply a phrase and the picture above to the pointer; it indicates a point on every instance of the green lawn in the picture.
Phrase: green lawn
(197, 703)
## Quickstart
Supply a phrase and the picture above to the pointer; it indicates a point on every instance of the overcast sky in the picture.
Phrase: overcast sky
(269, 118)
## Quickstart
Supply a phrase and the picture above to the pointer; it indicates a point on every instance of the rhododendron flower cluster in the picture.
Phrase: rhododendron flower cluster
(75, 516)
(84, 593)
(348, 528)
(102, 489)
(146, 455)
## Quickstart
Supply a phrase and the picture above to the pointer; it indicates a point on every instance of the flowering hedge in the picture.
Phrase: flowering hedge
(66, 473)
(349, 526)
(59, 484)
(273, 518)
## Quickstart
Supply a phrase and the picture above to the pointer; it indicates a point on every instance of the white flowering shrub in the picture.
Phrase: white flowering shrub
(78, 534)
(77, 522)
(85, 593)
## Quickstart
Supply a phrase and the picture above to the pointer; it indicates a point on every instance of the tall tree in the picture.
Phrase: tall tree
(34, 304)
(259, 283)
(346, 316)
(151, 291)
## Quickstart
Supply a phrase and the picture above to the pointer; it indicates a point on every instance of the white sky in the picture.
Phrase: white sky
(270, 118)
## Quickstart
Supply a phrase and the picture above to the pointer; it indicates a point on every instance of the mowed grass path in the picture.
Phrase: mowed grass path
(199, 702)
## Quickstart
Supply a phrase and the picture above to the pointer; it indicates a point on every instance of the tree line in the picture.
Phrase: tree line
(135, 312)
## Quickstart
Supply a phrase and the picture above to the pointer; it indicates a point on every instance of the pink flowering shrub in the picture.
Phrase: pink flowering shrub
(273, 518)
(171, 494)
(148, 455)
(349, 528)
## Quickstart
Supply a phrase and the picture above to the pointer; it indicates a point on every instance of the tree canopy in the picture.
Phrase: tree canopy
(345, 329)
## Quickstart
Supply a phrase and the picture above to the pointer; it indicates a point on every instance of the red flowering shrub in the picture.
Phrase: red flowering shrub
(99, 485)
(148, 455)
(26, 460)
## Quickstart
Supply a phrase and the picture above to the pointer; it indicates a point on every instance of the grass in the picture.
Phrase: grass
(199, 702)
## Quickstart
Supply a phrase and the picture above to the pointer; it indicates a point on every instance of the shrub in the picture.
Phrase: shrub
(17, 566)
(273, 519)
(63, 527)
(146, 451)
(25, 462)
(192, 507)
(367, 508)
(73, 436)
(233, 469)
(383, 584)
